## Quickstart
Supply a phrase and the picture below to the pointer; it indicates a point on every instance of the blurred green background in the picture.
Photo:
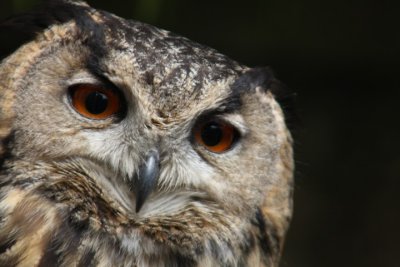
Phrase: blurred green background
(342, 58)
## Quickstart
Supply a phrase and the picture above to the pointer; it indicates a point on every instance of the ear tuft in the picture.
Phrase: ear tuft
(22, 28)
(265, 78)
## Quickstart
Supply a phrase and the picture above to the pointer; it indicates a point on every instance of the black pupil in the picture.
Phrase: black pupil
(211, 134)
(96, 102)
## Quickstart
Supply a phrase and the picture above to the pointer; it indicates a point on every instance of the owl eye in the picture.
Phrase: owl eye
(216, 136)
(94, 101)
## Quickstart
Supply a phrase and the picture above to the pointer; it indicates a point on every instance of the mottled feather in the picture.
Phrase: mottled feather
(69, 184)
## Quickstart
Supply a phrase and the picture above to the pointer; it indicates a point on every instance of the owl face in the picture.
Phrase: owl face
(132, 130)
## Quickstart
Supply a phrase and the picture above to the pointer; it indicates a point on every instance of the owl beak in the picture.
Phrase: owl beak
(147, 178)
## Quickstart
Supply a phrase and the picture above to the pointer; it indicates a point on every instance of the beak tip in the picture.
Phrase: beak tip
(139, 204)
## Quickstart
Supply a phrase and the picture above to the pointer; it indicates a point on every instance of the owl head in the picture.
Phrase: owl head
(140, 144)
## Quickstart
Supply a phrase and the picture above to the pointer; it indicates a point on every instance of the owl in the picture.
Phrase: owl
(122, 144)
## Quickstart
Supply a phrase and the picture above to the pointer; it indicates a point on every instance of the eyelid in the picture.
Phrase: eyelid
(236, 120)
(84, 77)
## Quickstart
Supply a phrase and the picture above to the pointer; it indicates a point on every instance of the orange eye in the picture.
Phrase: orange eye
(94, 101)
(216, 136)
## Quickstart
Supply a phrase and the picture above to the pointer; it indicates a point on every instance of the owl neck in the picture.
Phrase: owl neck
(69, 219)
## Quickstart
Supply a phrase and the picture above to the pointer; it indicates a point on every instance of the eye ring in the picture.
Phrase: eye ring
(215, 135)
(94, 101)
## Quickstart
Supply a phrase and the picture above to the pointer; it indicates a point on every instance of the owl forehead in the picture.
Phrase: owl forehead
(172, 74)
(171, 70)
(158, 52)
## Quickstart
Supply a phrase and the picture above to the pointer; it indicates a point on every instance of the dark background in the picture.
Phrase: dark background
(342, 58)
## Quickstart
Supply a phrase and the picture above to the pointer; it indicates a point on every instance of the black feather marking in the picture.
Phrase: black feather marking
(268, 238)
(5, 144)
(6, 243)
(263, 238)
(87, 259)
(183, 261)
(246, 247)
(65, 241)
(51, 255)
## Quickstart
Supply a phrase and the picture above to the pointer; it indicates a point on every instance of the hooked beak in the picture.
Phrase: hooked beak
(147, 178)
